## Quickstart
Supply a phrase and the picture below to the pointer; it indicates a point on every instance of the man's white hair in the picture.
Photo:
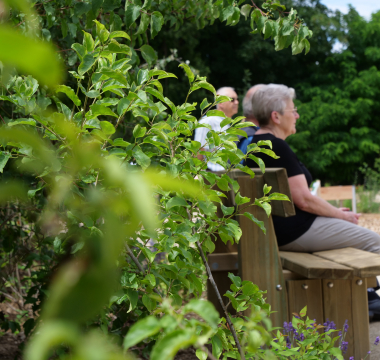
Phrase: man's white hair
(247, 101)
(268, 98)
(224, 91)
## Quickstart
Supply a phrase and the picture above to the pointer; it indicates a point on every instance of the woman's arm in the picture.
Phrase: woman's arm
(305, 201)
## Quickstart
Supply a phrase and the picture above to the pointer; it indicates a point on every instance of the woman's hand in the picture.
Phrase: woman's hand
(305, 201)
(350, 216)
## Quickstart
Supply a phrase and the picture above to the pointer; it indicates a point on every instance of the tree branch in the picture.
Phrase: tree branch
(139, 266)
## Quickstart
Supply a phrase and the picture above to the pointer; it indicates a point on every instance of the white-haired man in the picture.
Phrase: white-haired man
(229, 108)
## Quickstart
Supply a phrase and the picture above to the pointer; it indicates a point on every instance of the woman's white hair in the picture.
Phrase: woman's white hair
(268, 98)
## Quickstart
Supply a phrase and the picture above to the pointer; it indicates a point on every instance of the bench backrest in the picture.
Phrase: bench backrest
(258, 255)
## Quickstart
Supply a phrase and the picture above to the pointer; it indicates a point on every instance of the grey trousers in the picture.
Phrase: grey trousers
(329, 233)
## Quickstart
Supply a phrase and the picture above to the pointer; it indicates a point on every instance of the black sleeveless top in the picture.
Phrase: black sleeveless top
(290, 228)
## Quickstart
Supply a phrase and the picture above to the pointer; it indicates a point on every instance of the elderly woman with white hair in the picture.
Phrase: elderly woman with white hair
(317, 224)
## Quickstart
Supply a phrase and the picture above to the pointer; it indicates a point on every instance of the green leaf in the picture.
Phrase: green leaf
(32, 193)
(88, 42)
(97, 110)
(149, 303)
(138, 131)
(267, 189)
(132, 12)
(259, 223)
(115, 47)
(69, 92)
(236, 280)
(133, 297)
(141, 330)
(201, 355)
(142, 76)
(121, 34)
(86, 64)
(4, 157)
(204, 309)
(176, 201)
(278, 196)
(151, 278)
(141, 158)
(148, 54)
(262, 143)
(31, 56)
(303, 311)
(101, 32)
(107, 127)
(269, 153)
(266, 206)
(188, 72)
(217, 346)
(258, 161)
(245, 10)
(22, 121)
(120, 142)
(207, 86)
(225, 121)
(144, 23)
(227, 210)
(168, 346)
(215, 113)
(249, 288)
(156, 22)
(116, 75)
(240, 200)
(156, 93)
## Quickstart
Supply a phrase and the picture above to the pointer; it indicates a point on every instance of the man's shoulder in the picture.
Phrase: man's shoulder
(211, 119)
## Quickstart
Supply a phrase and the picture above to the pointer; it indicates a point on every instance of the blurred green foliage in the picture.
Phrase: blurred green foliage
(88, 210)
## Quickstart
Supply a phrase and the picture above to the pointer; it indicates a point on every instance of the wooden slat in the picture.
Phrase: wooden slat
(278, 179)
(308, 293)
(259, 261)
(223, 262)
(314, 267)
(364, 263)
(290, 275)
(337, 307)
(336, 192)
(360, 318)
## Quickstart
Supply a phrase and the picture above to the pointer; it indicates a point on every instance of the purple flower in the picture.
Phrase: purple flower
(369, 352)
(351, 358)
(344, 346)
(377, 340)
(289, 346)
(345, 327)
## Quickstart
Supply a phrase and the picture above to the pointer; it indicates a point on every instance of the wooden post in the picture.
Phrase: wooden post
(220, 274)
(259, 260)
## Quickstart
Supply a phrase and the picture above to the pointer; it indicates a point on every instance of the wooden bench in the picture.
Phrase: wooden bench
(332, 284)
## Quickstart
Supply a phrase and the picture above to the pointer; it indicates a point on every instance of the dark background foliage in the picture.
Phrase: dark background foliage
(337, 87)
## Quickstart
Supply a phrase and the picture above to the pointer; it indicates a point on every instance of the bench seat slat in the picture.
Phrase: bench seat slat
(314, 267)
(364, 263)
